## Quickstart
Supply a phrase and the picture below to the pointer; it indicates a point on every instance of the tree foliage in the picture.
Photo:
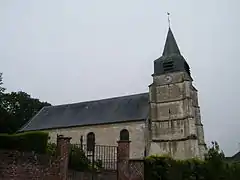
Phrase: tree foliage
(214, 167)
(16, 109)
(1, 83)
(215, 153)
(78, 160)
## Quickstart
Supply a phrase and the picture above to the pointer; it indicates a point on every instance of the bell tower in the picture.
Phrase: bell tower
(175, 121)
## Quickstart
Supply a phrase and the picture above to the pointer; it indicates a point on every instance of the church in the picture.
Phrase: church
(164, 121)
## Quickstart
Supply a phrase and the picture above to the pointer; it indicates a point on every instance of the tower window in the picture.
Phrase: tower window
(168, 66)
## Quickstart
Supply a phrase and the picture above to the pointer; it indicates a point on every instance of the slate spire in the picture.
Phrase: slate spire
(171, 59)
(171, 46)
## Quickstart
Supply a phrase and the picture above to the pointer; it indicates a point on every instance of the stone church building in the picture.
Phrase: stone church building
(165, 120)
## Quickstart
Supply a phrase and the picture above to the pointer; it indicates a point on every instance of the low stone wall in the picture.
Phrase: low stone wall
(16, 165)
(75, 175)
(22, 166)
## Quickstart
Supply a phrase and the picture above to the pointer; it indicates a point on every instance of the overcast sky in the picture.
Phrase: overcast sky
(65, 51)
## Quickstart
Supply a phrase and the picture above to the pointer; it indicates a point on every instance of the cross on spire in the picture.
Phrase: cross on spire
(168, 14)
(171, 59)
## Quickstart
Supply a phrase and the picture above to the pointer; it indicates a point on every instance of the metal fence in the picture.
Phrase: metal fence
(103, 156)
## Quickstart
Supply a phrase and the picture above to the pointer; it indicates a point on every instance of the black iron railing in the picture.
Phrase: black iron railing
(102, 157)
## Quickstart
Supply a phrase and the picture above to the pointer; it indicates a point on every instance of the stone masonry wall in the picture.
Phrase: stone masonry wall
(184, 149)
(76, 175)
(16, 165)
(175, 125)
(107, 134)
(22, 166)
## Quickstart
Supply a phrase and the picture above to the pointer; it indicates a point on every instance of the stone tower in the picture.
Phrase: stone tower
(175, 120)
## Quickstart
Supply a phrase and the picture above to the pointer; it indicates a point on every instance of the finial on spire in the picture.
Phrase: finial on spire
(168, 14)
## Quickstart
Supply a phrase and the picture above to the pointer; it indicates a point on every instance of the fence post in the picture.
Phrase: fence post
(81, 142)
(63, 148)
(123, 155)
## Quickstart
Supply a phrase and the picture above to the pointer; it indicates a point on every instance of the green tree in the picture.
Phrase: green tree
(215, 153)
(1, 83)
(3, 113)
(215, 162)
(17, 109)
(77, 159)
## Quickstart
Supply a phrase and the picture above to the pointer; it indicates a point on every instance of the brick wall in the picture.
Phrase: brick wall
(75, 175)
(16, 165)
(128, 169)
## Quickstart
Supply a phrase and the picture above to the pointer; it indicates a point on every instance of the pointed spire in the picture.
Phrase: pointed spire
(171, 59)
(171, 46)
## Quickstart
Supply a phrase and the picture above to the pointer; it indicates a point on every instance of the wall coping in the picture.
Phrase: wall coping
(123, 141)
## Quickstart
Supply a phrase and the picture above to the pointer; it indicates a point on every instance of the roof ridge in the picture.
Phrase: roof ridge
(92, 101)
(30, 120)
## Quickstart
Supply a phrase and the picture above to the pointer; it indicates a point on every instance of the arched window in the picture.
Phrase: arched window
(124, 135)
(90, 141)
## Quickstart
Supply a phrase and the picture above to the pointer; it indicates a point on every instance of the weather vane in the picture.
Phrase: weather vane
(168, 14)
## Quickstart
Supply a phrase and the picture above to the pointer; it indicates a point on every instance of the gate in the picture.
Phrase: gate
(101, 158)
(109, 162)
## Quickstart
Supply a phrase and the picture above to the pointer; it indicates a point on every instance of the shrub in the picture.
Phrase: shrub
(214, 167)
(77, 158)
(29, 141)
(51, 149)
(98, 164)
(165, 168)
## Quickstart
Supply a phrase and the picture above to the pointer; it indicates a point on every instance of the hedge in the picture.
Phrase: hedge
(165, 168)
(29, 141)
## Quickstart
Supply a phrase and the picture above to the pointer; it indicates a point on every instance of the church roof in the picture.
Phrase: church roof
(236, 156)
(112, 110)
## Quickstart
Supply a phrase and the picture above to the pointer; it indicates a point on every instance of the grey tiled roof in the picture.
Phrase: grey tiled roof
(118, 109)
(236, 157)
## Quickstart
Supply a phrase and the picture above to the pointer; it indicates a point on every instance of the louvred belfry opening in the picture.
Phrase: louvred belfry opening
(171, 59)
